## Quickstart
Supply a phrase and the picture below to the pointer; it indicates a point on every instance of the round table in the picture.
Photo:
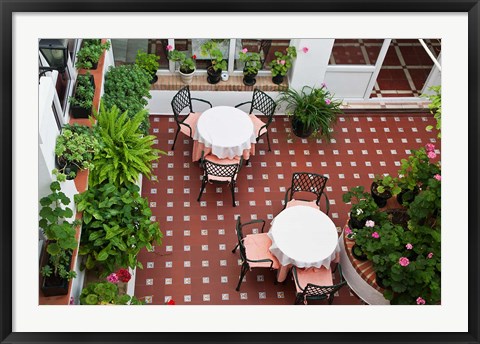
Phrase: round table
(303, 236)
(227, 130)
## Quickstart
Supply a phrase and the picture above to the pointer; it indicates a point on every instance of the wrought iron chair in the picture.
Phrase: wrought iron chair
(223, 171)
(254, 249)
(316, 284)
(266, 105)
(186, 123)
(306, 184)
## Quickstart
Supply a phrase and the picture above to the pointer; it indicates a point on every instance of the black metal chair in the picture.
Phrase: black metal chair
(223, 171)
(266, 105)
(186, 123)
(254, 249)
(307, 289)
(306, 184)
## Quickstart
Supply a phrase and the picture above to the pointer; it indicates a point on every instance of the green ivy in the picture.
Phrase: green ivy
(116, 226)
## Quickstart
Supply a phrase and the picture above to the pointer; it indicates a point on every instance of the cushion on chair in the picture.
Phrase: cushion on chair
(217, 160)
(191, 120)
(318, 276)
(295, 202)
(257, 246)
(257, 124)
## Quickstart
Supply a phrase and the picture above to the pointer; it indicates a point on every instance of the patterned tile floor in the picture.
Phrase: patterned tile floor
(195, 265)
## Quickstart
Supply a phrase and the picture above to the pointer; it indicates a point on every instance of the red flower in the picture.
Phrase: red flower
(194, 57)
(170, 302)
(123, 275)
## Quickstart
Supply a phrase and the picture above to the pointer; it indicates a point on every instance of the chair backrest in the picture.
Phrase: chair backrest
(220, 170)
(180, 101)
(312, 290)
(263, 103)
(308, 182)
(243, 252)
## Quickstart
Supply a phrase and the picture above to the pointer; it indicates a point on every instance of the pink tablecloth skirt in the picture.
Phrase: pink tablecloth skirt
(198, 147)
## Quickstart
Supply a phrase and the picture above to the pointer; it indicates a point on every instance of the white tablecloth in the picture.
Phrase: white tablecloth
(304, 237)
(227, 130)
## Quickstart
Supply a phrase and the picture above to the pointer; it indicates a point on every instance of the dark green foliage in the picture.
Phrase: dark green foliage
(84, 92)
(90, 53)
(105, 293)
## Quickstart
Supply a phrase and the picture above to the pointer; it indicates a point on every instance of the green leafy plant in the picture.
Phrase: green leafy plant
(363, 206)
(84, 92)
(148, 62)
(116, 226)
(387, 184)
(283, 61)
(312, 108)
(187, 65)
(54, 223)
(105, 293)
(77, 145)
(90, 53)
(125, 152)
(128, 87)
(210, 49)
(435, 107)
(251, 60)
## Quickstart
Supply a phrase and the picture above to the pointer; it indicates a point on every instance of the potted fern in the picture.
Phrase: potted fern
(60, 233)
(210, 49)
(149, 63)
(90, 53)
(311, 110)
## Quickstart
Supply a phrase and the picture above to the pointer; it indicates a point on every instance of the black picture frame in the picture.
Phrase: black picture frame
(9, 7)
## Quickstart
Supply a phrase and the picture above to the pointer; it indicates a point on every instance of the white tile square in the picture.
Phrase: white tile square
(168, 281)
(205, 280)
(187, 264)
(204, 247)
(186, 248)
(205, 263)
(168, 264)
(150, 265)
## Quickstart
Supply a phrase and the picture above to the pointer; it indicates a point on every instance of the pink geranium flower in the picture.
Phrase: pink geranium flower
(409, 246)
(420, 301)
(305, 50)
(403, 261)
(282, 62)
(375, 235)
(369, 223)
(348, 230)
(437, 177)
(327, 101)
(323, 84)
(431, 155)
(112, 278)
(244, 50)
(430, 255)
(430, 147)
(169, 47)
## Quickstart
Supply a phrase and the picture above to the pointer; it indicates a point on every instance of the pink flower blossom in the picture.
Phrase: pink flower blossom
(430, 255)
(169, 47)
(112, 278)
(375, 235)
(348, 230)
(437, 177)
(327, 101)
(323, 84)
(369, 223)
(420, 301)
(431, 155)
(409, 246)
(305, 50)
(282, 62)
(430, 147)
(244, 50)
(403, 261)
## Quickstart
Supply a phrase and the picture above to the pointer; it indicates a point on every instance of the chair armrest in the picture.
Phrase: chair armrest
(238, 105)
(287, 196)
(203, 100)
(255, 221)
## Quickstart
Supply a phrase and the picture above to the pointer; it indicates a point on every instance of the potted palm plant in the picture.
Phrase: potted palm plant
(149, 63)
(312, 110)
(186, 67)
(252, 64)
(210, 49)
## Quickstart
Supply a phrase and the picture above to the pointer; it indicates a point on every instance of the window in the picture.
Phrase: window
(266, 48)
